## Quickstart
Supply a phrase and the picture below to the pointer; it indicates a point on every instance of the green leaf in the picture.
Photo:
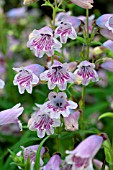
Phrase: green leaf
(48, 4)
(96, 43)
(107, 114)
(107, 150)
(37, 161)
(28, 164)
(58, 54)
(81, 40)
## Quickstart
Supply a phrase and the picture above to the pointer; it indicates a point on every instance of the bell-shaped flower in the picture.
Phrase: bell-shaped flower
(81, 157)
(58, 105)
(71, 122)
(30, 152)
(43, 123)
(66, 29)
(53, 164)
(107, 65)
(86, 72)
(60, 16)
(108, 44)
(87, 4)
(43, 42)
(10, 116)
(105, 22)
(27, 76)
(58, 75)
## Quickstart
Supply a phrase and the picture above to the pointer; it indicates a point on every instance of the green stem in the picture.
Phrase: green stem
(54, 15)
(83, 106)
(53, 25)
(87, 33)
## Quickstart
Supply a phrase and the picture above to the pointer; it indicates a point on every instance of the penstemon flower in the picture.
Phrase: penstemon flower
(66, 29)
(60, 16)
(71, 122)
(58, 75)
(53, 164)
(58, 105)
(10, 116)
(87, 4)
(30, 152)
(105, 22)
(81, 157)
(43, 42)
(86, 72)
(107, 65)
(108, 44)
(43, 123)
(27, 77)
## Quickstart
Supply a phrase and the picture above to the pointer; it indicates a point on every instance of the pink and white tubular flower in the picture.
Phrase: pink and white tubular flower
(66, 29)
(81, 157)
(43, 123)
(86, 72)
(53, 163)
(58, 105)
(108, 44)
(71, 122)
(43, 42)
(10, 116)
(105, 22)
(87, 4)
(27, 77)
(58, 75)
(30, 151)
(60, 16)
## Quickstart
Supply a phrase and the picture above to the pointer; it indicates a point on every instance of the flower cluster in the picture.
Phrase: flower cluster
(48, 115)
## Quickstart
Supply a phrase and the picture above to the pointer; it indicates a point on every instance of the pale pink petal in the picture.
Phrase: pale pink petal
(21, 89)
(72, 105)
(43, 76)
(29, 88)
(35, 79)
(101, 21)
(41, 134)
(62, 86)
(50, 131)
(107, 33)
(51, 85)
